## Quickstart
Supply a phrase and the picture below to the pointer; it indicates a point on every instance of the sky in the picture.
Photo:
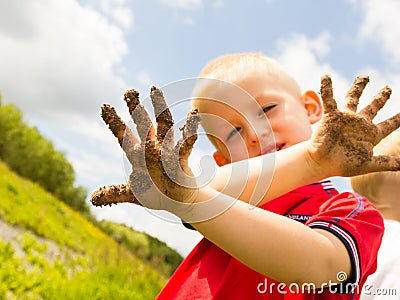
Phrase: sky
(61, 59)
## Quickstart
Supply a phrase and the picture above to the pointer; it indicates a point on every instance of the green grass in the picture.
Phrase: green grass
(151, 250)
(90, 263)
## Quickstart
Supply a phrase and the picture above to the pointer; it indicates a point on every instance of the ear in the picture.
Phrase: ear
(220, 159)
(312, 104)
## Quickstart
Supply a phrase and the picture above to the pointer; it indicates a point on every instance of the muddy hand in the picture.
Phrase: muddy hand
(343, 143)
(159, 168)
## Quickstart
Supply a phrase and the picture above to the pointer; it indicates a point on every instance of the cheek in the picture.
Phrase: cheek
(236, 151)
(292, 127)
(300, 129)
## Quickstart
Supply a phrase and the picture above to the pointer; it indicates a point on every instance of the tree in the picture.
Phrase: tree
(30, 155)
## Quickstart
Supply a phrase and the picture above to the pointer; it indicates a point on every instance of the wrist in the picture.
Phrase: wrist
(207, 205)
(316, 165)
(297, 166)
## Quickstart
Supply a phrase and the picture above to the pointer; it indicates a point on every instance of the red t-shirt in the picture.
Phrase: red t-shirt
(210, 273)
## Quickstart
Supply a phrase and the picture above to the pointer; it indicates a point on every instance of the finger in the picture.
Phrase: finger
(163, 117)
(327, 94)
(354, 94)
(377, 103)
(389, 125)
(383, 163)
(189, 134)
(113, 194)
(139, 115)
(125, 136)
(131, 97)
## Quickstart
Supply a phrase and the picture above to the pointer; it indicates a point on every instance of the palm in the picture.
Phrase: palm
(159, 168)
(348, 137)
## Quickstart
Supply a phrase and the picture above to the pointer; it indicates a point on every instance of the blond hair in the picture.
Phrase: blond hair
(369, 185)
(231, 68)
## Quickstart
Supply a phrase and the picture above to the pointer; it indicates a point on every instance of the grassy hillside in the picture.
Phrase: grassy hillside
(49, 251)
(149, 249)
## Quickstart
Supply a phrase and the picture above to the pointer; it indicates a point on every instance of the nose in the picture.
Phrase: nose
(257, 134)
(253, 137)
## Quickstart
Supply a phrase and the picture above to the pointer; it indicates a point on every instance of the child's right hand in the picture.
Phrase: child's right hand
(343, 143)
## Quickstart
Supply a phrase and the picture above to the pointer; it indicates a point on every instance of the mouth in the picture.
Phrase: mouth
(272, 148)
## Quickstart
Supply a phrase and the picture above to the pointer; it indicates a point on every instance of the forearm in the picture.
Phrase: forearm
(263, 178)
(271, 244)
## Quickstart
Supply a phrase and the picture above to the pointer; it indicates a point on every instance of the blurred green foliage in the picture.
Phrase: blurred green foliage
(151, 250)
(32, 156)
(61, 254)
(94, 260)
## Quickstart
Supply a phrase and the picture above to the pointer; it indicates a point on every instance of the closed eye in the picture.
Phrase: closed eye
(268, 108)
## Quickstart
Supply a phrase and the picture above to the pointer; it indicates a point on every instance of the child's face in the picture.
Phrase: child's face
(266, 115)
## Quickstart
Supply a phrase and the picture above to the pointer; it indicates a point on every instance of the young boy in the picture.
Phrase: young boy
(342, 233)
(383, 190)
(311, 243)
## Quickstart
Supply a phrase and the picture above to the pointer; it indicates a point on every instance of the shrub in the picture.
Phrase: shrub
(30, 155)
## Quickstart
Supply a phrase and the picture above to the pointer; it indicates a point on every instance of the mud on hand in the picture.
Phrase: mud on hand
(160, 170)
(344, 141)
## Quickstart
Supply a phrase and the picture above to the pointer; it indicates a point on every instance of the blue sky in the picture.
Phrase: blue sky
(60, 60)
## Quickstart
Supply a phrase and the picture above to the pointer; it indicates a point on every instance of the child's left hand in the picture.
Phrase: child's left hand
(160, 170)
(343, 143)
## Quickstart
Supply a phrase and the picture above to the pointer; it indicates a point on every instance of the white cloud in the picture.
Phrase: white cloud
(58, 60)
(303, 57)
(118, 11)
(144, 78)
(61, 59)
(16, 21)
(98, 160)
(381, 25)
